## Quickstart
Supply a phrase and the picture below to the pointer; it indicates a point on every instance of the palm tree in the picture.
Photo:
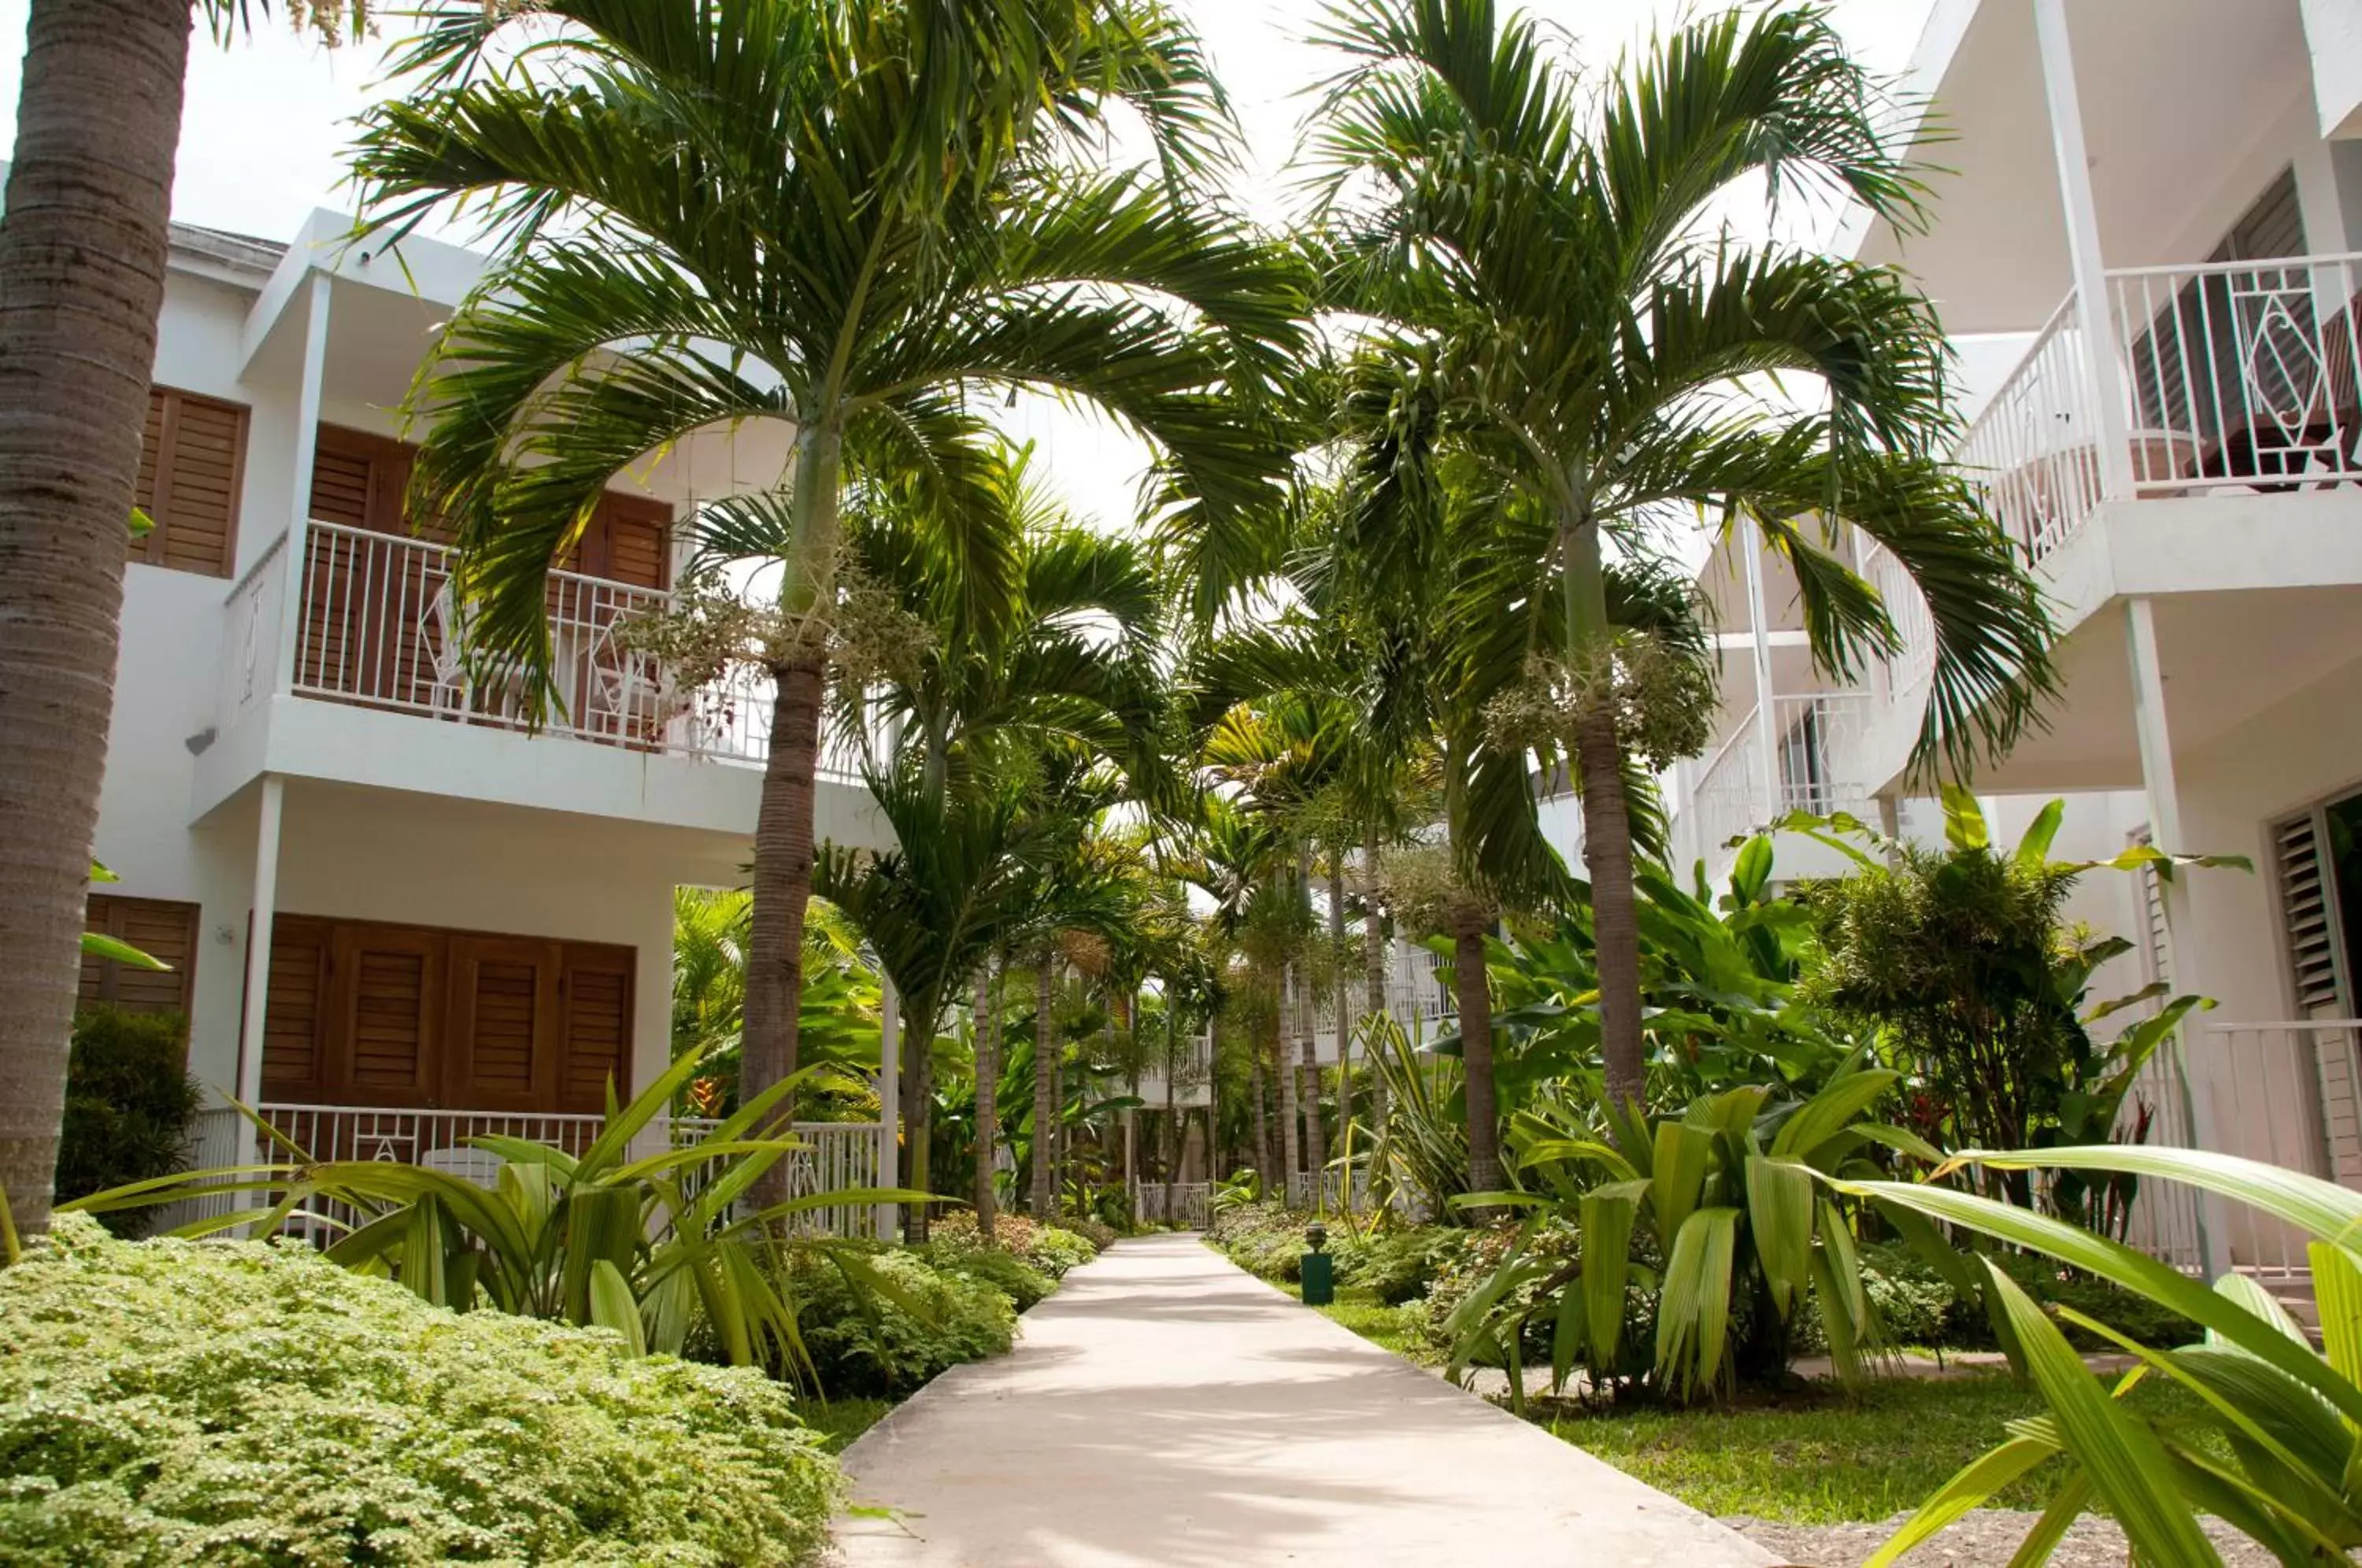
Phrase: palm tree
(1598, 358)
(83, 244)
(847, 221)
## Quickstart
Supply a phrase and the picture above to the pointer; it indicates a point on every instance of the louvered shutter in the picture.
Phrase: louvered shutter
(597, 1003)
(504, 1038)
(163, 930)
(390, 1006)
(192, 466)
(629, 541)
(294, 1015)
(2308, 913)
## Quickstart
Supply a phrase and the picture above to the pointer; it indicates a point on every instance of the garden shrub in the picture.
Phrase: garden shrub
(239, 1402)
(129, 1106)
(1049, 1248)
(1919, 1307)
(871, 1346)
(1100, 1235)
(1006, 1271)
(1398, 1266)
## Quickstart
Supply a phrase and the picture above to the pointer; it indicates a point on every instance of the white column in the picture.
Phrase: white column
(889, 1102)
(299, 499)
(2083, 250)
(1766, 717)
(2158, 784)
(268, 819)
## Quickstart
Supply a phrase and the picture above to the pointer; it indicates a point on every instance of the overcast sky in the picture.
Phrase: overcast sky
(267, 118)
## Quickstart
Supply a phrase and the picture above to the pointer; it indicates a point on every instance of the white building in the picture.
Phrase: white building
(397, 917)
(2153, 220)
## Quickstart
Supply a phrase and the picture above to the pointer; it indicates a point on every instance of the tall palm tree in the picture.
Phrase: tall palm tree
(1601, 357)
(847, 220)
(83, 244)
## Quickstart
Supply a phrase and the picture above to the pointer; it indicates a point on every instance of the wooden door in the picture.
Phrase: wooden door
(596, 994)
(504, 1033)
(388, 1008)
(295, 1015)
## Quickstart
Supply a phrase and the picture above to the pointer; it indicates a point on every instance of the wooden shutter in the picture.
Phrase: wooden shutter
(2309, 917)
(630, 540)
(192, 467)
(363, 481)
(598, 1014)
(387, 987)
(162, 928)
(295, 1013)
(503, 1040)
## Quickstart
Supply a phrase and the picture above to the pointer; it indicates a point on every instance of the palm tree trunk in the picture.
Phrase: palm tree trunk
(782, 887)
(1344, 1010)
(987, 1096)
(1616, 928)
(1374, 956)
(1282, 1064)
(1171, 1129)
(919, 1120)
(82, 282)
(1046, 1090)
(1316, 1137)
(1264, 1165)
(1470, 985)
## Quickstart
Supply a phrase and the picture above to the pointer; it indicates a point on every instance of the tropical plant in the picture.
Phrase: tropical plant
(2267, 1442)
(932, 1319)
(1961, 960)
(1717, 1221)
(654, 1248)
(166, 1402)
(838, 1010)
(130, 1103)
(83, 231)
(1576, 341)
(849, 220)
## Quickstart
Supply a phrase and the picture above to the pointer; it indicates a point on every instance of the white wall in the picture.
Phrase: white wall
(2333, 30)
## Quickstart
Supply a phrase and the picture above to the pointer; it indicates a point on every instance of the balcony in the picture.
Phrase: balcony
(1803, 759)
(2237, 376)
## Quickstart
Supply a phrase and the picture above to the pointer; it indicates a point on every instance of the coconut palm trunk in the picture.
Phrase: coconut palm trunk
(1267, 1167)
(781, 881)
(1171, 1128)
(82, 281)
(1344, 1010)
(988, 1097)
(1283, 1067)
(1469, 984)
(1045, 1096)
(1375, 953)
(1615, 920)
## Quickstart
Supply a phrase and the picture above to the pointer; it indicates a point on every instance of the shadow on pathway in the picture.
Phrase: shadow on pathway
(1165, 1408)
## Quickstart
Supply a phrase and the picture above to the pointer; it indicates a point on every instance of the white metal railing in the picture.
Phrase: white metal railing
(2234, 375)
(1419, 998)
(380, 624)
(2240, 373)
(2035, 449)
(1813, 766)
(1176, 1203)
(213, 1144)
(836, 1156)
(250, 638)
(1913, 665)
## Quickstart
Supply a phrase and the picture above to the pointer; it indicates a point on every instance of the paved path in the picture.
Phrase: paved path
(1165, 1408)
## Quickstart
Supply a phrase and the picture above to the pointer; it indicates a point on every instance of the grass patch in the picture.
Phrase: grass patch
(1395, 1327)
(839, 1421)
(1826, 1457)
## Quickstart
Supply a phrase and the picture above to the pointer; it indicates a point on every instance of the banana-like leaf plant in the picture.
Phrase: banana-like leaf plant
(2273, 1445)
(653, 1247)
(1719, 1217)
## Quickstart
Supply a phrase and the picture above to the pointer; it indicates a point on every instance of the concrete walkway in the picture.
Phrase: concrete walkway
(1165, 1408)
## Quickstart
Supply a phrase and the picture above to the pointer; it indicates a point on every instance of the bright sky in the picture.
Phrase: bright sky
(267, 123)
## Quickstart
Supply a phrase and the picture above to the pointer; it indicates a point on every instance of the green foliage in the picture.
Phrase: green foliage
(1735, 1236)
(653, 1248)
(164, 1401)
(1391, 1265)
(1098, 1232)
(836, 1012)
(884, 1330)
(1011, 1276)
(1051, 1249)
(1959, 960)
(2271, 1446)
(130, 1103)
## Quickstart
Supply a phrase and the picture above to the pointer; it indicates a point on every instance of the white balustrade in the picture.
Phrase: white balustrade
(1813, 767)
(382, 625)
(1181, 1203)
(2034, 451)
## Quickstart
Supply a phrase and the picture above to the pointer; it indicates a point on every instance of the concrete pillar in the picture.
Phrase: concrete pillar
(268, 818)
(2083, 250)
(298, 500)
(1767, 718)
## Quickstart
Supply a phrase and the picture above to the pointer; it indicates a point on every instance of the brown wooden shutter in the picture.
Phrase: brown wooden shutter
(192, 467)
(162, 928)
(629, 541)
(363, 480)
(294, 1015)
(389, 1006)
(598, 1003)
(504, 1038)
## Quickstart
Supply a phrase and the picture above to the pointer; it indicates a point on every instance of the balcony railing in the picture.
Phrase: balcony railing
(1814, 740)
(2231, 375)
(835, 1155)
(377, 623)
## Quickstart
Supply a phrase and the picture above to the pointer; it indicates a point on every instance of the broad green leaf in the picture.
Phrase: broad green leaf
(1829, 1112)
(1780, 1198)
(612, 1306)
(2034, 845)
(1567, 1334)
(1964, 819)
(1679, 1166)
(1694, 1303)
(2123, 1459)
(1607, 1220)
(97, 945)
(2337, 1289)
(2065, 1506)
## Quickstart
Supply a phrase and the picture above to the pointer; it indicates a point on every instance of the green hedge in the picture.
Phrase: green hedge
(882, 1347)
(231, 1402)
(130, 1104)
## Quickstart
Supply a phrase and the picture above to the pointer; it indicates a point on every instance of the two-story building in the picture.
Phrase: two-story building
(398, 913)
